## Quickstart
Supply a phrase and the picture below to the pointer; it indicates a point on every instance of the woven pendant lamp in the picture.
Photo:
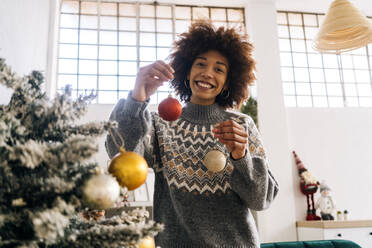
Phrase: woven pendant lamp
(344, 28)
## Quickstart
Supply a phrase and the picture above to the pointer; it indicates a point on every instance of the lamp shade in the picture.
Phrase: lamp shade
(344, 28)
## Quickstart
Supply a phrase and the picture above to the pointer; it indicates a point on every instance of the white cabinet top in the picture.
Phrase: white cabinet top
(335, 224)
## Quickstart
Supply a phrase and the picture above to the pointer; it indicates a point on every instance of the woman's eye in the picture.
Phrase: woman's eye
(219, 70)
(200, 64)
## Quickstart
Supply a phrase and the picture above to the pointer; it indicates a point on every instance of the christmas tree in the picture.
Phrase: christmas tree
(48, 179)
(250, 108)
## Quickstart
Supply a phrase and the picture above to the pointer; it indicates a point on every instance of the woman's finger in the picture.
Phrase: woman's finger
(157, 74)
(232, 137)
(229, 123)
(230, 127)
(231, 130)
(164, 69)
(157, 70)
(233, 146)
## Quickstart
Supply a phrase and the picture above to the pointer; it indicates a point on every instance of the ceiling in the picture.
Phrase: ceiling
(312, 6)
(320, 6)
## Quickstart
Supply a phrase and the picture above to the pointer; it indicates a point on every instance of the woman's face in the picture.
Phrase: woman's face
(207, 77)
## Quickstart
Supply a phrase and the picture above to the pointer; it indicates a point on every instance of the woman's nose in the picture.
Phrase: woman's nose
(207, 73)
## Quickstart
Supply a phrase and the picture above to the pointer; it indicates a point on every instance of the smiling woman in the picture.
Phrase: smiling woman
(210, 165)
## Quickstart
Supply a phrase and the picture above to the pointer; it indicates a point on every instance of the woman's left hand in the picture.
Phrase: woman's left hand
(234, 136)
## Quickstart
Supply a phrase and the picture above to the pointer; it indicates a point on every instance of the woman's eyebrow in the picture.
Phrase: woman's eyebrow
(218, 62)
(222, 63)
(203, 58)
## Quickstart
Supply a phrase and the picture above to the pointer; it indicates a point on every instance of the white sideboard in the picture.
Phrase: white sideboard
(359, 231)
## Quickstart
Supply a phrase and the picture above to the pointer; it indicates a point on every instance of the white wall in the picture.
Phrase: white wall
(333, 143)
(23, 37)
(24, 34)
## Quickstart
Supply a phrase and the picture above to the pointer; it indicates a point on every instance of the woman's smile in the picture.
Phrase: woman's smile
(203, 85)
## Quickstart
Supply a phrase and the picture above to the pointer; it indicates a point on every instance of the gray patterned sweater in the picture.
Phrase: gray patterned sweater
(199, 208)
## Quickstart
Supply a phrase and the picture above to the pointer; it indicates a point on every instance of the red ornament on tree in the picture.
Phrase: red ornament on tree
(170, 109)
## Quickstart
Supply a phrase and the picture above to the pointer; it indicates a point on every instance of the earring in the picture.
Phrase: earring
(186, 83)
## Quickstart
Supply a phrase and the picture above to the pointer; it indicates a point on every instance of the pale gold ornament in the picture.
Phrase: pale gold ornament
(101, 192)
(215, 160)
(147, 242)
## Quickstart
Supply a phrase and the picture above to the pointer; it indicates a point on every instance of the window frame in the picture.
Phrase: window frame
(294, 85)
(76, 75)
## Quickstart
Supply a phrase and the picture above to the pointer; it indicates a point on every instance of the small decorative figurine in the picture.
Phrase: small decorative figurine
(308, 186)
(346, 213)
(325, 202)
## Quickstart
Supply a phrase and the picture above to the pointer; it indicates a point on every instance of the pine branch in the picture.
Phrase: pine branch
(125, 230)
(93, 129)
(7, 77)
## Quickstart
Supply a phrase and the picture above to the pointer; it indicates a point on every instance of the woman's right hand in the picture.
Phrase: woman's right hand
(150, 78)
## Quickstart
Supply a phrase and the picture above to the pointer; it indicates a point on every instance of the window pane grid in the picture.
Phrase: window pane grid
(102, 45)
(311, 79)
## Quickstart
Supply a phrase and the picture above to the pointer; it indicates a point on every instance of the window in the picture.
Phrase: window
(102, 44)
(311, 79)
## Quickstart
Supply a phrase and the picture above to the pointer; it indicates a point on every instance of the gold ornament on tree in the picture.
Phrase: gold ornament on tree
(129, 168)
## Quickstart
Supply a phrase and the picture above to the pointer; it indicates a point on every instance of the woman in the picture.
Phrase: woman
(210, 70)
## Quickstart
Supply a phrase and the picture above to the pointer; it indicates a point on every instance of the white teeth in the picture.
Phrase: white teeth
(205, 85)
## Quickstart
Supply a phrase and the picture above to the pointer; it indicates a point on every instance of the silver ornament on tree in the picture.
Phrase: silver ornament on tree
(101, 192)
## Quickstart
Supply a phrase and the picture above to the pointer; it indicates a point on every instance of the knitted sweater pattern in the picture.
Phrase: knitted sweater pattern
(199, 208)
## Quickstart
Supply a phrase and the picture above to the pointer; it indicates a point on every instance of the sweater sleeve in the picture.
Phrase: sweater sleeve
(251, 178)
(135, 126)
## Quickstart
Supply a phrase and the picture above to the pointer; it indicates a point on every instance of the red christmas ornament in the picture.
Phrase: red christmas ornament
(170, 109)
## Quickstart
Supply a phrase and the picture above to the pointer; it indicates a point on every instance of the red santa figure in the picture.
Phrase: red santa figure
(308, 186)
